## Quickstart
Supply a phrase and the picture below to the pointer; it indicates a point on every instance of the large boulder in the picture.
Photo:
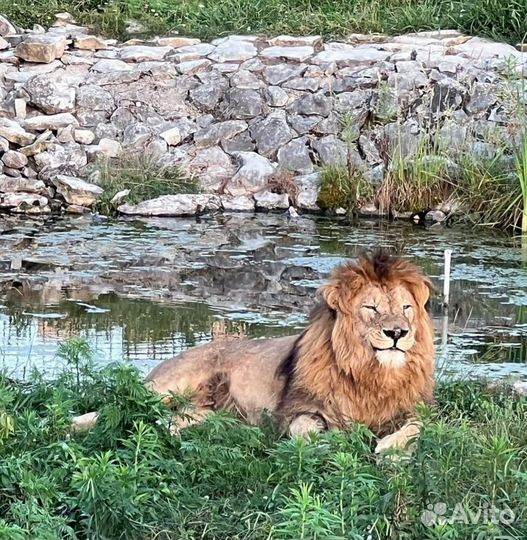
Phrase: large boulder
(41, 48)
(173, 205)
(77, 191)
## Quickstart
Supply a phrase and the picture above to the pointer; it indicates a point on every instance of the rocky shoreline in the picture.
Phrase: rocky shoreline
(239, 113)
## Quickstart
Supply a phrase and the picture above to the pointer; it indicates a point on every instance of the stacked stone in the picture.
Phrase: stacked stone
(235, 112)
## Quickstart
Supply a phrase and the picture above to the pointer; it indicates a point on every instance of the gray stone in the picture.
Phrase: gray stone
(276, 97)
(307, 194)
(207, 96)
(39, 145)
(447, 94)
(15, 160)
(89, 43)
(77, 191)
(294, 156)
(67, 157)
(331, 151)
(435, 216)
(141, 53)
(312, 104)
(252, 174)
(239, 143)
(238, 204)
(271, 133)
(16, 185)
(6, 27)
(481, 99)
(212, 166)
(303, 124)
(216, 133)
(51, 121)
(111, 66)
(191, 53)
(192, 67)
(311, 84)
(41, 48)
(48, 96)
(95, 98)
(279, 73)
(83, 136)
(242, 104)
(246, 80)
(110, 148)
(403, 139)
(267, 200)
(13, 132)
(24, 203)
(298, 54)
(348, 55)
(232, 50)
(137, 135)
(173, 205)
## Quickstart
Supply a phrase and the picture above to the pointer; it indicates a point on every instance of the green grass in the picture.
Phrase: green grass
(341, 187)
(500, 20)
(128, 478)
(143, 176)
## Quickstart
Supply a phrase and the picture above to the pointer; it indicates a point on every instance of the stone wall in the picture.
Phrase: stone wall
(239, 110)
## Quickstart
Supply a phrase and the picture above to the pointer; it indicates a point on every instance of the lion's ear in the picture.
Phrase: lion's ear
(330, 293)
(420, 288)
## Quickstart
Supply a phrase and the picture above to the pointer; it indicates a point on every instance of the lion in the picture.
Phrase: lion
(366, 356)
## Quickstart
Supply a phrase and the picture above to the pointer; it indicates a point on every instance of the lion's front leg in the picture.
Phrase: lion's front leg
(304, 424)
(401, 438)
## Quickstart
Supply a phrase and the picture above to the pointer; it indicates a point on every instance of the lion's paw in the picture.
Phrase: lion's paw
(305, 424)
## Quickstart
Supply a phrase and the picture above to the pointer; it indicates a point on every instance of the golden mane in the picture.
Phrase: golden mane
(340, 378)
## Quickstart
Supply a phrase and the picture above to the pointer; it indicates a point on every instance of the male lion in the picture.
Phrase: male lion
(366, 356)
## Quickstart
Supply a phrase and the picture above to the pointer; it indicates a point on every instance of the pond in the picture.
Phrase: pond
(144, 290)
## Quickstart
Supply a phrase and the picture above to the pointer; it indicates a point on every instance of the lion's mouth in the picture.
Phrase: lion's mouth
(392, 348)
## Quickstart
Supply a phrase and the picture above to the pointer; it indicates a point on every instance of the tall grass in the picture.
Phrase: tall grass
(212, 18)
(129, 478)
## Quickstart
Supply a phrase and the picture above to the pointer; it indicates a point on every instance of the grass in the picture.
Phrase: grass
(143, 176)
(342, 187)
(504, 21)
(128, 478)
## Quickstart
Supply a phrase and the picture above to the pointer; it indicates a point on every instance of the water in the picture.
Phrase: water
(144, 290)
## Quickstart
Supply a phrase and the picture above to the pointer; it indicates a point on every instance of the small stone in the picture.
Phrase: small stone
(348, 55)
(13, 132)
(16, 185)
(6, 27)
(308, 187)
(51, 121)
(40, 144)
(281, 73)
(296, 41)
(207, 96)
(89, 43)
(3, 44)
(242, 104)
(241, 203)
(49, 96)
(20, 108)
(331, 151)
(172, 136)
(216, 133)
(246, 80)
(111, 65)
(193, 66)
(71, 157)
(76, 191)
(292, 213)
(4, 144)
(481, 99)
(15, 160)
(294, 156)
(520, 388)
(252, 174)
(191, 53)
(298, 54)
(143, 53)
(173, 205)
(110, 148)
(24, 203)
(267, 200)
(312, 104)
(41, 48)
(271, 133)
(276, 97)
(65, 134)
(213, 167)
(95, 98)
(83, 136)
(232, 50)
(176, 42)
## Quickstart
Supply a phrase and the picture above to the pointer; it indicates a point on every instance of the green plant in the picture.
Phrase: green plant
(342, 188)
(143, 177)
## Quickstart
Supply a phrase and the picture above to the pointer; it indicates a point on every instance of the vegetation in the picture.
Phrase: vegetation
(129, 478)
(342, 187)
(143, 176)
(504, 21)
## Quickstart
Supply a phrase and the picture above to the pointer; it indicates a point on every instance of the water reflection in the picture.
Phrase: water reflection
(144, 290)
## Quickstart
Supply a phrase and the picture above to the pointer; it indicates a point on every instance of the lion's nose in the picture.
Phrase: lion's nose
(395, 333)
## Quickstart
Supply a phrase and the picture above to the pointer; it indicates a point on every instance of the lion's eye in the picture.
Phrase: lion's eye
(408, 306)
(373, 308)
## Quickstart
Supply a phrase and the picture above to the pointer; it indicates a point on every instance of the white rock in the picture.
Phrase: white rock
(172, 136)
(241, 203)
(13, 132)
(77, 191)
(520, 388)
(15, 160)
(308, 187)
(110, 148)
(6, 27)
(110, 65)
(295, 41)
(233, 51)
(193, 66)
(176, 42)
(142, 53)
(268, 200)
(41, 48)
(298, 54)
(89, 43)
(252, 174)
(16, 185)
(51, 121)
(24, 203)
(173, 205)
(350, 56)
(83, 136)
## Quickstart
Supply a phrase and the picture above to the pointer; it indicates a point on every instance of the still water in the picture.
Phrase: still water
(141, 291)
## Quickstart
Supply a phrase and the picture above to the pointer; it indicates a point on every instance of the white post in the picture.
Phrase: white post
(446, 277)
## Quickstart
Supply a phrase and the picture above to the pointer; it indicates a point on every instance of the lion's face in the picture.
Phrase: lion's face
(377, 318)
(385, 321)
